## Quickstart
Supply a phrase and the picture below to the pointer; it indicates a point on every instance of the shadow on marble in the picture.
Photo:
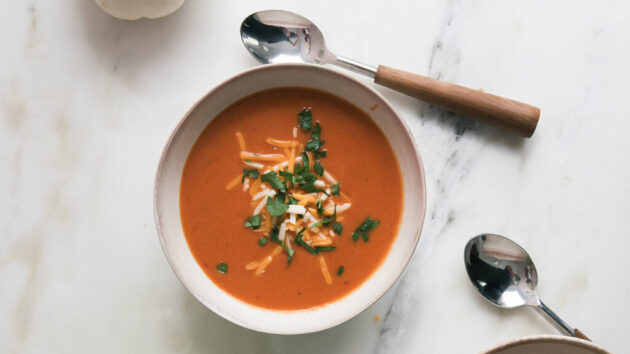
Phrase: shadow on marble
(131, 44)
(456, 124)
(461, 125)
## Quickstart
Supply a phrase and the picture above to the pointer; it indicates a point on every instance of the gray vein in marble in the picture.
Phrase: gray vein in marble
(27, 252)
(32, 37)
(456, 165)
(445, 57)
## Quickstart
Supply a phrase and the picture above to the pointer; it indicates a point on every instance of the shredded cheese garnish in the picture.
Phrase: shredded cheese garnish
(246, 185)
(292, 159)
(241, 141)
(322, 264)
(255, 165)
(296, 209)
(295, 220)
(246, 155)
(329, 178)
(233, 183)
(282, 143)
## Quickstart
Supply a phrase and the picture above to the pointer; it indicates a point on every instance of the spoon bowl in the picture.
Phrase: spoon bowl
(505, 275)
(276, 36)
(502, 271)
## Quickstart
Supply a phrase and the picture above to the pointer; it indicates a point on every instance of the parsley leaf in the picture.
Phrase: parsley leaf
(222, 268)
(304, 178)
(274, 181)
(274, 235)
(305, 120)
(292, 200)
(253, 173)
(276, 206)
(263, 241)
(290, 253)
(338, 228)
(320, 154)
(340, 271)
(288, 177)
(325, 249)
(320, 208)
(324, 222)
(310, 188)
(364, 228)
(253, 222)
(316, 250)
(334, 189)
(300, 241)
(315, 143)
(304, 159)
(317, 132)
(318, 168)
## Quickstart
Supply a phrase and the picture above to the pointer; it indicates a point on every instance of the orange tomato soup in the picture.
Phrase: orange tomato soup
(215, 205)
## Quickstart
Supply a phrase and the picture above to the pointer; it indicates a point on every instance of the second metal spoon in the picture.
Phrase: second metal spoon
(506, 276)
(280, 36)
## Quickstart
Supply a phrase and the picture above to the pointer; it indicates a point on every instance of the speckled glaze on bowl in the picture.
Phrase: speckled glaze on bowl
(547, 345)
(167, 187)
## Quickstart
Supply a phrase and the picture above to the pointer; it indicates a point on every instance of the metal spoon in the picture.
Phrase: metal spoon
(279, 37)
(505, 275)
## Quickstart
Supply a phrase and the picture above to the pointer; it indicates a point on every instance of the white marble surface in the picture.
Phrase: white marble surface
(87, 103)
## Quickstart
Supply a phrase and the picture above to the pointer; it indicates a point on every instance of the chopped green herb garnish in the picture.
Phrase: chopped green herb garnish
(276, 206)
(304, 178)
(274, 181)
(324, 222)
(288, 177)
(292, 200)
(253, 173)
(263, 241)
(338, 228)
(222, 268)
(364, 228)
(327, 220)
(334, 189)
(305, 120)
(290, 253)
(274, 235)
(325, 249)
(317, 132)
(320, 208)
(318, 168)
(340, 271)
(305, 162)
(316, 250)
(320, 154)
(315, 143)
(312, 145)
(310, 187)
(253, 222)
(300, 241)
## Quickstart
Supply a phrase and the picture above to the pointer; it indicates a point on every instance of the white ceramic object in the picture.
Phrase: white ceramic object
(167, 184)
(547, 345)
(135, 9)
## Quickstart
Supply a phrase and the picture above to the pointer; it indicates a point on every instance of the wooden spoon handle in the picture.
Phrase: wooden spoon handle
(579, 334)
(517, 117)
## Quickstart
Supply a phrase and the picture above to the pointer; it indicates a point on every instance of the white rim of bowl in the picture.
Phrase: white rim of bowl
(397, 117)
